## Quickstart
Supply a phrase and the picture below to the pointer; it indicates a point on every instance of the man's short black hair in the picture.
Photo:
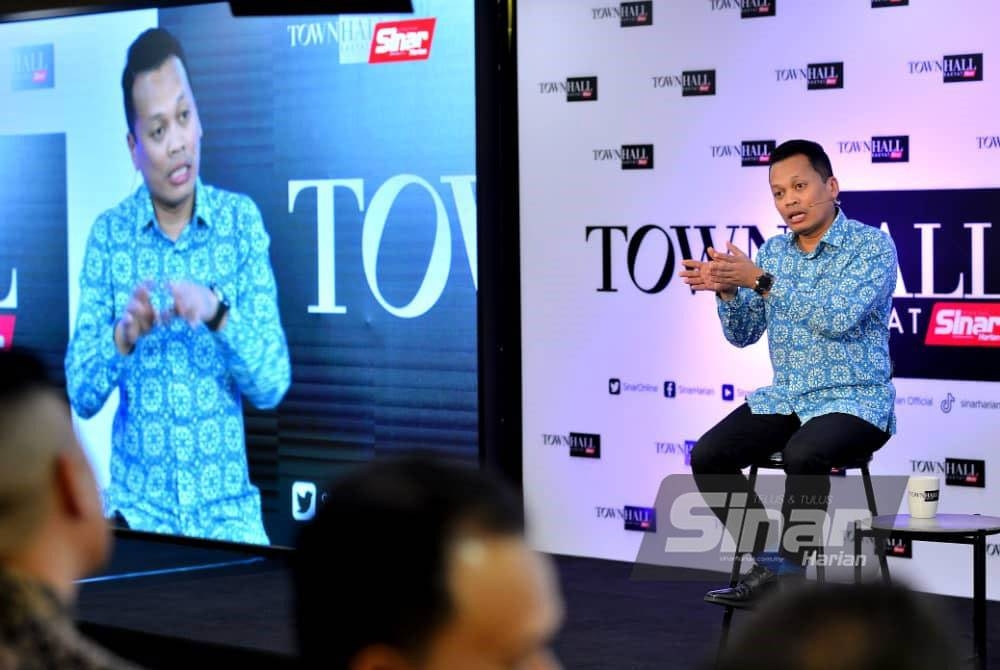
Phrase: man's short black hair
(149, 51)
(371, 567)
(21, 371)
(811, 150)
(870, 626)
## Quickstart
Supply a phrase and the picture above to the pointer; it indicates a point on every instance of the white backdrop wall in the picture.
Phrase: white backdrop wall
(95, 134)
(609, 331)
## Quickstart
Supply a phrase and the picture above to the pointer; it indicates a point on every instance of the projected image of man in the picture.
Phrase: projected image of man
(178, 311)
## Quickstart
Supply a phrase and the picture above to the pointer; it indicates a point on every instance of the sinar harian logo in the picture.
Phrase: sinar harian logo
(7, 321)
(400, 41)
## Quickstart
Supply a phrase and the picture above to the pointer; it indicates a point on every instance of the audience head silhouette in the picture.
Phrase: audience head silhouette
(52, 525)
(843, 627)
(415, 564)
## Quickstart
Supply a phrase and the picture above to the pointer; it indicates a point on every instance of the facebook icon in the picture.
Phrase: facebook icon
(727, 392)
(669, 389)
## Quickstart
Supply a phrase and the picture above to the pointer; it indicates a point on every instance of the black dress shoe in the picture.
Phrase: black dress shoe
(748, 591)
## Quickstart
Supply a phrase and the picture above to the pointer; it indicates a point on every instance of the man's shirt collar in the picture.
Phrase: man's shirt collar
(835, 235)
(146, 216)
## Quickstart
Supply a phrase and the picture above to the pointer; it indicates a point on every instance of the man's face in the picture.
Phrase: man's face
(507, 608)
(801, 196)
(165, 141)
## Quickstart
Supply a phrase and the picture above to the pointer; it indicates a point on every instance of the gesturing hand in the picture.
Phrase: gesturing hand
(193, 302)
(734, 268)
(137, 320)
(698, 275)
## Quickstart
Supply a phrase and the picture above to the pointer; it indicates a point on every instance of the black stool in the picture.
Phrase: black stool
(776, 462)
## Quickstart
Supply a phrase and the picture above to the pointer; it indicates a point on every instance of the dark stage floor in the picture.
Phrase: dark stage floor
(234, 609)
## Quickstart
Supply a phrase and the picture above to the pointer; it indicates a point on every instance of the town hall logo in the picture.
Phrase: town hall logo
(882, 149)
(825, 75)
(634, 14)
(962, 68)
(690, 82)
(581, 89)
(629, 14)
(956, 471)
(582, 445)
(33, 67)
(817, 76)
(637, 156)
(577, 89)
(749, 9)
(630, 156)
(965, 472)
(756, 152)
(954, 69)
(899, 546)
(891, 149)
(642, 519)
(697, 82)
(752, 153)
(752, 9)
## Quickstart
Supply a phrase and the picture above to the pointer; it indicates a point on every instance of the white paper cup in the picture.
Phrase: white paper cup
(922, 496)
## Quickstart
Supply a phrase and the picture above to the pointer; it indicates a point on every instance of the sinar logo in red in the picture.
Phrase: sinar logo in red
(398, 41)
(964, 324)
(7, 330)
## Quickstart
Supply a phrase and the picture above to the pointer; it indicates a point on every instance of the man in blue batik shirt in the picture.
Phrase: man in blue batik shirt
(178, 310)
(823, 292)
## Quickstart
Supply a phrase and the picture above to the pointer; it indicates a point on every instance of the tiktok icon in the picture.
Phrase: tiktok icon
(947, 403)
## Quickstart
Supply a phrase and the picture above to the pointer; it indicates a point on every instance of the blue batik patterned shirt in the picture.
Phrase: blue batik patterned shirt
(827, 319)
(178, 456)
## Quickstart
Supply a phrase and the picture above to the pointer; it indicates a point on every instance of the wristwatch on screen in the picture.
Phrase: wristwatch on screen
(220, 313)
(763, 283)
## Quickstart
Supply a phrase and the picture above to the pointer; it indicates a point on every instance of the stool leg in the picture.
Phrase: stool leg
(979, 598)
(737, 555)
(866, 479)
(881, 540)
(857, 552)
(734, 575)
(727, 620)
(883, 564)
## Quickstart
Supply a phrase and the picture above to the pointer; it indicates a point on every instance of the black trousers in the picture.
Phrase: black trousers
(809, 451)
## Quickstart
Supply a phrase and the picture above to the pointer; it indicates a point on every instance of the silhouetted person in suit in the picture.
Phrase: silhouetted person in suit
(52, 526)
